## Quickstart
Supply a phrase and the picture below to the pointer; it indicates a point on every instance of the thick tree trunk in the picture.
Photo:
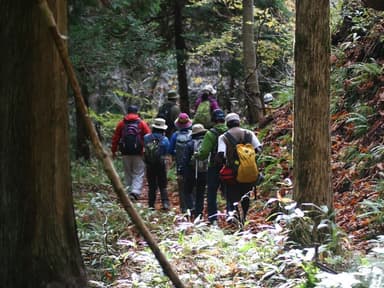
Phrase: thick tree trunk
(252, 91)
(311, 152)
(181, 56)
(38, 241)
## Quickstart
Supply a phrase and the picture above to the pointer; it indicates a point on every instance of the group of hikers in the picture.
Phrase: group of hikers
(210, 151)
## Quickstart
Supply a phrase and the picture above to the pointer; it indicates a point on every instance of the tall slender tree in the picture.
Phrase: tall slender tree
(181, 56)
(38, 241)
(252, 91)
(311, 152)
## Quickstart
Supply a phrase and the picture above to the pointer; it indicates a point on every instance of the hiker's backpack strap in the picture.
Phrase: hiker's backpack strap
(230, 138)
(214, 131)
(231, 154)
(247, 137)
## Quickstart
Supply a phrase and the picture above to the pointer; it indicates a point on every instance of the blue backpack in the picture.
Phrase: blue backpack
(199, 165)
(182, 138)
(152, 150)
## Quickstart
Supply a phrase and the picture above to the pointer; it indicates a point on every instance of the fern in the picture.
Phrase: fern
(360, 123)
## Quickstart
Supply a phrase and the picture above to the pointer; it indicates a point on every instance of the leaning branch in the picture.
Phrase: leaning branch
(100, 152)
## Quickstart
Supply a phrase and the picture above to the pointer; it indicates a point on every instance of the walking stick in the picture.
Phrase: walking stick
(196, 168)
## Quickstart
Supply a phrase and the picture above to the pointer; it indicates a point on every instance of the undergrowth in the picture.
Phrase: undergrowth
(115, 255)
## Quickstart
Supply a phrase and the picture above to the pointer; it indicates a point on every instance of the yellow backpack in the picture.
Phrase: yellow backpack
(244, 159)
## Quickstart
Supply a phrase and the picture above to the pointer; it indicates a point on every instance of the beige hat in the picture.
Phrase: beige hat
(232, 117)
(198, 128)
(159, 123)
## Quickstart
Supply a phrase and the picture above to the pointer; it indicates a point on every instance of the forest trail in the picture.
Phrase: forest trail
(345, 184)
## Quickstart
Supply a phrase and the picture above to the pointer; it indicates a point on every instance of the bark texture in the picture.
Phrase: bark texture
(38, 241)
(181, 56)
(311, 152)
(252, 90)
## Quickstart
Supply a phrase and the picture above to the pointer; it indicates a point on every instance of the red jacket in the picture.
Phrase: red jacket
(144, 128)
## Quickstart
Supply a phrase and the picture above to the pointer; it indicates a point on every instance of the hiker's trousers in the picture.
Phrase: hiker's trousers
(134, 171)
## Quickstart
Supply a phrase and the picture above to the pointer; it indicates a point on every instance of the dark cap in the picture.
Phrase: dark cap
(132, 109)
(218, 115)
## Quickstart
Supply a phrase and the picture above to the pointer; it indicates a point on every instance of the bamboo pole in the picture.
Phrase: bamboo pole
(100, 152)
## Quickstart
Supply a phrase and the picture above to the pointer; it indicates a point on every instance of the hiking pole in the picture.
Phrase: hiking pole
(196, 168)
(103, 156)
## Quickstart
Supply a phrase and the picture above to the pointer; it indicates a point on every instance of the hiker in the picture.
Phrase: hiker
(268, 99)
(205, 104)
(129, 139)
(236, 192)
(195, 172)
(156, 146)
(169, 111)
(208, 151)
(177, 145)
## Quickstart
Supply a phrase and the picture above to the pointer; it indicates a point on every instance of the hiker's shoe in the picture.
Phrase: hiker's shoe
(213, 223)
(165, 206)
(134, 197)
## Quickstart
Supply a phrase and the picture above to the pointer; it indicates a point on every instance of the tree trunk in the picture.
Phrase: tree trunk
(181, 56)
(311, 152)
(252, 91)
(375, 4)
(82, 138)
(38, 241)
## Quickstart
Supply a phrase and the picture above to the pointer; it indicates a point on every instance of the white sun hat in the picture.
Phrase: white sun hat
(209, 88)
(159, 123)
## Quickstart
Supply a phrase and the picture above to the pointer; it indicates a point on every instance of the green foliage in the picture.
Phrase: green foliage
(205, 256)
(284, 96)
(110, 48)
(88, 172)
(374, 211)
(273, 40)
(380, 187)
(360, 123)
(271, 170)
(108, 122)
(310, 270)
(100, 223)
(354, 28)
(338, 76)
(369, 274)
(309, 227)
(364, 72)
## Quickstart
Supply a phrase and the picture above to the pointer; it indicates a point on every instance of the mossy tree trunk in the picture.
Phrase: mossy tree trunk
(38, 241)
(311, 152)
(252, 90)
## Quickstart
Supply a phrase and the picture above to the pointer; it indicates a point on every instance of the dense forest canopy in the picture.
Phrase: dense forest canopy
(128, 64)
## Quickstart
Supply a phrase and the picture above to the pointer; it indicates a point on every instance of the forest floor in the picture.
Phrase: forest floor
(353, 183)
